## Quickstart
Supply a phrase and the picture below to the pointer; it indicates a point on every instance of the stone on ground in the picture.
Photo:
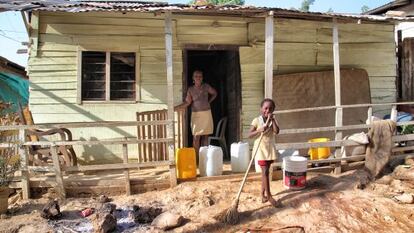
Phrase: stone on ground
(167, 221)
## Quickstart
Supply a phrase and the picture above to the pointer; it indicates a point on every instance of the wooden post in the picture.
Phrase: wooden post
(394, 113)
(369, 114)
(126, 171)
(60, 188)
(269, 56)
(170, 96)
(24, 163)
(337, 77)
(34, 34)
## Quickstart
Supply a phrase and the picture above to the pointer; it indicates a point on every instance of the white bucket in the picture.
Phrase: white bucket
(294, 172)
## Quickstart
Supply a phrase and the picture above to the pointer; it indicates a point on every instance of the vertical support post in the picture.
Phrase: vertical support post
(58, 173)
(34, 34)
(269, 56)
(337, 78)
(23, 165)
(170, 97)
(79, 76)
(394, 113)
(369, 115)
(126, 171)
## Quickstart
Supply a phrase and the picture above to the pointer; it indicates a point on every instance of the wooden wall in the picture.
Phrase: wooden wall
(299, 46)
(307, 46)
(53, 66)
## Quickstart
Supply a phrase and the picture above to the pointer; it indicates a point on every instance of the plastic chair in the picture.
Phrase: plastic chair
(220, 136)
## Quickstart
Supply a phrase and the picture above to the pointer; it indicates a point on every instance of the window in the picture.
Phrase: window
(108, 76)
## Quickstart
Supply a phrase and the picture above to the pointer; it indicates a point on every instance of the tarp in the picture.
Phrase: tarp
(13, 90)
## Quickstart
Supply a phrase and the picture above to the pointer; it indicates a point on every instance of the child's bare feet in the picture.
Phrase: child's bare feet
(276, 204)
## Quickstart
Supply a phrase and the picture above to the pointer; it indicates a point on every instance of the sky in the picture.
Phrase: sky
(13, 32)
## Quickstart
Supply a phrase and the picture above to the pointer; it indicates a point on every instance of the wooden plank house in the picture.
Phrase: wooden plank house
(106, 61)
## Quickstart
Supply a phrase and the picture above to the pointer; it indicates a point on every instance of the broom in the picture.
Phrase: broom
(231, 215)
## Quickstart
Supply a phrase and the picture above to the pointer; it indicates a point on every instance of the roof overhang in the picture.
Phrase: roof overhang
(160, 7)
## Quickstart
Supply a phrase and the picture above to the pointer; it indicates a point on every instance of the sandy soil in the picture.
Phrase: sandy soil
(328, 204)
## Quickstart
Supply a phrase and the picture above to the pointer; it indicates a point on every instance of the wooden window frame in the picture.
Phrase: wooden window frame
(107, 78)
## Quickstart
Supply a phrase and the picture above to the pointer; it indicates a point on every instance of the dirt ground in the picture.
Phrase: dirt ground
(328, 204)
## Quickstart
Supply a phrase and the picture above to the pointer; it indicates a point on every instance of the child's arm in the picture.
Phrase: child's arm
(275, 125)
(256, 131)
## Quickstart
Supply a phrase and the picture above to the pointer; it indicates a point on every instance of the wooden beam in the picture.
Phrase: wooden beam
(117, 166)
(79, 76)
(26, 23)
(342, 106)
(337, 77)
(126, 171)
(170, 95)
(97, 142)
(394, 113)
(269, 56)
(369, 115)
(23, 163)
(34, 34)
(60, 188)
(83, 124)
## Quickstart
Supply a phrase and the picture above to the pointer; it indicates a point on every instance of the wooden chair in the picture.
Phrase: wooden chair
(41, 155)
(220, 136)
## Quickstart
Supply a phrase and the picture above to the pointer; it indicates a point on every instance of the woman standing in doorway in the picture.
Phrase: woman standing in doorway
(199, 96)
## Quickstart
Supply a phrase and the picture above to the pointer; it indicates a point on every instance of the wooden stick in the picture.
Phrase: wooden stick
(60, 188)
(248, 168)
(126, 171)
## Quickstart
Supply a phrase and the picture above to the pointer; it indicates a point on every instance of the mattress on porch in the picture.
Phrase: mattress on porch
(315, 89)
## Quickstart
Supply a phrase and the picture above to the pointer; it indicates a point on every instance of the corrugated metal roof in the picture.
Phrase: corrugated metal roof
(137, 6)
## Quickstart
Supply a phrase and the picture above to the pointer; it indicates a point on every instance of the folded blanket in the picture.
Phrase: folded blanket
(380, 145)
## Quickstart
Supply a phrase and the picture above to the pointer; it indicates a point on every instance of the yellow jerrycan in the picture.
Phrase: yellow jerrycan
(185, 159)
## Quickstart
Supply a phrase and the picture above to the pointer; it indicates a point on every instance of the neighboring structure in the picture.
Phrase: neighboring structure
(106, 61)
(14, 84)
(404, 39)
(11, 67)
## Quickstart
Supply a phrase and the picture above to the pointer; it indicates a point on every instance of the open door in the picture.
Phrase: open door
(221, 69)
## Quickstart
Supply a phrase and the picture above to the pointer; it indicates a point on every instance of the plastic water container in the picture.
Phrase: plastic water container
(240, 156)
(321, 152)
(202, 158)
(211, 163)
(294, 172)
(185, 160)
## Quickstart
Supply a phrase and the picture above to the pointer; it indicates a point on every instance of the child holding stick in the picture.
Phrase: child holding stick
(267, 125)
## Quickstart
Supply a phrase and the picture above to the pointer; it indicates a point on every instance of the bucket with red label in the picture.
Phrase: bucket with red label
(294, 172)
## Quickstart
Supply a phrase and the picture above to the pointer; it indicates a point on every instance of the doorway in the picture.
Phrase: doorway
(221, 70)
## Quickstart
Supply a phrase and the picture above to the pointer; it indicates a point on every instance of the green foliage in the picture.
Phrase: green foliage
(220, 2)
(364, 8)
(305, 6)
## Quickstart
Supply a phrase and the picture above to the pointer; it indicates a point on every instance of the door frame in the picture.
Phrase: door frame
(205, 47)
